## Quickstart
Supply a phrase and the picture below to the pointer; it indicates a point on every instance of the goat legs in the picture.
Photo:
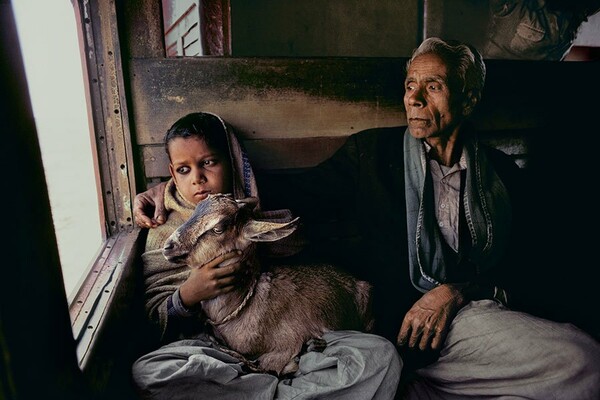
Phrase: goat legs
(248, 366)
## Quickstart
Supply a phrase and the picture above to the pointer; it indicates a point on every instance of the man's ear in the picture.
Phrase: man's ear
(470, 101)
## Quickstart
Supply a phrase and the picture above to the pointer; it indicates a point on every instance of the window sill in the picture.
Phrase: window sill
(106, 295)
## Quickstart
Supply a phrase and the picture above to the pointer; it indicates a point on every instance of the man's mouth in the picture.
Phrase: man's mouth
(418, 121)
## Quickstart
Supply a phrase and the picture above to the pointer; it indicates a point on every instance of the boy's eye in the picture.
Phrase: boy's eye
(183, 170)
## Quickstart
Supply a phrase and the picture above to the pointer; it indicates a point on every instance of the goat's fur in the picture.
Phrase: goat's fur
(287, 305)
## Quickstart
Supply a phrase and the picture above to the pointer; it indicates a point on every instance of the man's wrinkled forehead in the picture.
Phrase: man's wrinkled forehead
(426, 78)
(431, 67)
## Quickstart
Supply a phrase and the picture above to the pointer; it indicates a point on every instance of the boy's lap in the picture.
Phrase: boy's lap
(196, 366)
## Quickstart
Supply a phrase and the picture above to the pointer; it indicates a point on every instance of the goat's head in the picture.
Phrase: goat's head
(220, 225)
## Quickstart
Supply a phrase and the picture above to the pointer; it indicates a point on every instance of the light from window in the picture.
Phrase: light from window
(50, 49)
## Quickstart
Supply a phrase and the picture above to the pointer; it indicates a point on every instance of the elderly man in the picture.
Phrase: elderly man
(438, 218)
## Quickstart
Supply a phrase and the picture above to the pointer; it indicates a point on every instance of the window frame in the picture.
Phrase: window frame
(107, 291)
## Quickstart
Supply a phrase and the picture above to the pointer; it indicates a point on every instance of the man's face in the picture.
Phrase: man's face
(433, 105)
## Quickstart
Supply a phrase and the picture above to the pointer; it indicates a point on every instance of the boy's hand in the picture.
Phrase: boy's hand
(145, 202)
(211, 279)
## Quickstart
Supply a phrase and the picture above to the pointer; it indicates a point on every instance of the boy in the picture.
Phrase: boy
(205, 157)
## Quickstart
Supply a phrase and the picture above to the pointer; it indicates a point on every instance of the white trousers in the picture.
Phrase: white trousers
(353, 366)
(492, 352)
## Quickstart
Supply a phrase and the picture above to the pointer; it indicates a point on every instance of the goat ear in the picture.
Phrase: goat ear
(263, 231)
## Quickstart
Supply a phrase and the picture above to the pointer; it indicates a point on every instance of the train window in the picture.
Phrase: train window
(196, 27)
(48, 37)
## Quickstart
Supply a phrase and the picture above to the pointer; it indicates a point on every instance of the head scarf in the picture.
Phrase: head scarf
(244, 185)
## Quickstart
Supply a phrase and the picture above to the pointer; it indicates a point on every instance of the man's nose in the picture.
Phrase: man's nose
(416, 98)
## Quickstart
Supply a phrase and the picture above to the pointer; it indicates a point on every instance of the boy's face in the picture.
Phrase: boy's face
(198, 170)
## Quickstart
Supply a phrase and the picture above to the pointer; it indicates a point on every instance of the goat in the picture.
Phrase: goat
(277, 311)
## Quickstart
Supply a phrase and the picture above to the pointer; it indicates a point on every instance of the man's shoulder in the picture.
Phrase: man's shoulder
(499, 157)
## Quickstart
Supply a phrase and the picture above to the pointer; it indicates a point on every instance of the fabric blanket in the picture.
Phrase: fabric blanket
(353, 366)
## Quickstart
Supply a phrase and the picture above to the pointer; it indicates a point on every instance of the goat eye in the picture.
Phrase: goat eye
(218, 230)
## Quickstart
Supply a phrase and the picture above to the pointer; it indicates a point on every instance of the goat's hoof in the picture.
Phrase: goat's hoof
(252, 367)
(316, 344)
(290, 369)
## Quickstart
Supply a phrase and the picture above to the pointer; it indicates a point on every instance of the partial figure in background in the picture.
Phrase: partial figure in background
(535, 29)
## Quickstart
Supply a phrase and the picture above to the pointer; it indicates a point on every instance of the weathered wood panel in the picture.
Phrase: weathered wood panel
(141, 28)
(264, 153)
(275, 154)
(268, 98)
(293, 113)
(331, 28)
(290, 98)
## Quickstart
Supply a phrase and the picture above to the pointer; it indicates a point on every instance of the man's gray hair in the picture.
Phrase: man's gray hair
(463, 59)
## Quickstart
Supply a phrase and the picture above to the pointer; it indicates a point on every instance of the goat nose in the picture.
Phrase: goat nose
(169, 245)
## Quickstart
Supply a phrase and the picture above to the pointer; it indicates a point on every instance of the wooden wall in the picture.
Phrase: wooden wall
(295, 112)
(313, 102)
(331, 28)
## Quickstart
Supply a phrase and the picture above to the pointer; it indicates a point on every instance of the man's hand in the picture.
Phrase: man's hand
(425, 325)
(144, 203)
(211, 280)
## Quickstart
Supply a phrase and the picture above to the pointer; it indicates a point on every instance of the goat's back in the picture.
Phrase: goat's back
(323, 295)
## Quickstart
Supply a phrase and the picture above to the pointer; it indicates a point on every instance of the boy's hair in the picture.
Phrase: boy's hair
(201, 125)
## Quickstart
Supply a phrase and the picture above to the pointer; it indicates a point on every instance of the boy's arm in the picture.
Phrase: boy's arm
(144, 203)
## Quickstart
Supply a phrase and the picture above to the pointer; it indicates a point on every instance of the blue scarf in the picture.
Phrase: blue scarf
(487, 211)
